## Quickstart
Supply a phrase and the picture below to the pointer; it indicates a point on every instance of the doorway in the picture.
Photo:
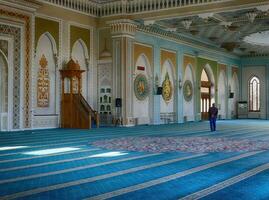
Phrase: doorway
(205, 95)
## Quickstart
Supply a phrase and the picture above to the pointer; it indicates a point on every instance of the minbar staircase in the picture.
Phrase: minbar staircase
(77, 113)
(75, 110)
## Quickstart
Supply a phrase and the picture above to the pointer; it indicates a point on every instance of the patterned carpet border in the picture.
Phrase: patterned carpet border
(172, 144)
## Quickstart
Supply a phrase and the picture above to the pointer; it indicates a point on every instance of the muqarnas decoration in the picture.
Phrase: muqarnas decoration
(167, 88)
(187, 90)
(43, 83)
(141, 87)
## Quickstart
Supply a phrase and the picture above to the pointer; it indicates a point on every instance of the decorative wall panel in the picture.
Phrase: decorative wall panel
(27, 58)
(16, 34)
(43, 83)
(141, 87)
(4, 47)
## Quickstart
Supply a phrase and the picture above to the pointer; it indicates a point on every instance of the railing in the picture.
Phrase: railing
(83, 6)
(125, 6)
(93, 114)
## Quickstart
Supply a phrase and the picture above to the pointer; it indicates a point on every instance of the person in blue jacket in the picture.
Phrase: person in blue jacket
(213, 114)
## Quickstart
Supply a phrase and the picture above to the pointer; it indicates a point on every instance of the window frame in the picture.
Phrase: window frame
(258, 93)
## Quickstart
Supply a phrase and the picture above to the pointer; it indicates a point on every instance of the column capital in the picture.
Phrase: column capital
(122, 27)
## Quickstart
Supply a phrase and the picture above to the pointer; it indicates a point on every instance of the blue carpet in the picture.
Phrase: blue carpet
(88, 172)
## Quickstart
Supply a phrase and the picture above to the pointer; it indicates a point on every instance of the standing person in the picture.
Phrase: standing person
(213, 114)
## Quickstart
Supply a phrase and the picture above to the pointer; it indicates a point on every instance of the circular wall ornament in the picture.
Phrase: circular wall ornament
(187, 90)
(167, 88)
(141, 87)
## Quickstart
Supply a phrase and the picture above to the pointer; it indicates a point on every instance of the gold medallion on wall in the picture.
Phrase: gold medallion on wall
(141, 87)
(167, 88)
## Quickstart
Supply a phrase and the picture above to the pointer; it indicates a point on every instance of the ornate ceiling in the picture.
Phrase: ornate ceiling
(227, 30)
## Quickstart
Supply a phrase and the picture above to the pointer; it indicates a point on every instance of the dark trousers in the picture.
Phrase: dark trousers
(212, 123)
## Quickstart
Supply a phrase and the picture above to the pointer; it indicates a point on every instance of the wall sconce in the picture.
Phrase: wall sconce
(55, 56)
(179, 83)
(156, 83)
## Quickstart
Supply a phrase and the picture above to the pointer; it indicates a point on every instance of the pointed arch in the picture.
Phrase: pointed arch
(188, 106)
(222, 94)
(254, 92)
(52, 41)
(83, 44)
(143, 109)
(172, 67)
(80, 54)
(46, 51)
(235, 91)
(148, 66)
(207, 90)
(168, 98)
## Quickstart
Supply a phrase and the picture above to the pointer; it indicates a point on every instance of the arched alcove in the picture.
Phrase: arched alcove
(222, 94)
(207, 91)
(3, 92)
(168, 92)
(80, 54)
(235, 91)
(188, 100)
(45, 82)
(142, 106)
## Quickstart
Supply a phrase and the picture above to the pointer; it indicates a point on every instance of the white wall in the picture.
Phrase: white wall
(232, 108)
(168, 107)
(188, 106)
(247, 73)
(222, 94)
(141, 109)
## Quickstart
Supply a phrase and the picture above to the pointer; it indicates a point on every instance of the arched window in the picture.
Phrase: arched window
(254, 94)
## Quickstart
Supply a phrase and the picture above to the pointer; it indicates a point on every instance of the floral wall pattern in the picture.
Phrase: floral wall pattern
(43, 83)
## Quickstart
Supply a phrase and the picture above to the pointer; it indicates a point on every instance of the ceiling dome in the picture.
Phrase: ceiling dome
(260, 38)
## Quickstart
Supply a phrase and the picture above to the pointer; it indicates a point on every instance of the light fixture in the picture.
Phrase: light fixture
(156, 82)
(186, 23)
(179, 83)
(251, 16)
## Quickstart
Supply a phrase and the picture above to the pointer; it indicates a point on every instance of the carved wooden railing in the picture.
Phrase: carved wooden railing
(124, 6)
(91, 113)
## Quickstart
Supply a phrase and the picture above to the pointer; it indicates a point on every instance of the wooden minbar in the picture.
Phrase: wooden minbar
(75, 110)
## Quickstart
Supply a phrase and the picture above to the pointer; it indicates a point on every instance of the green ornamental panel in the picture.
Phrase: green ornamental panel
(141, 87)
(167, 88)
(187, 90)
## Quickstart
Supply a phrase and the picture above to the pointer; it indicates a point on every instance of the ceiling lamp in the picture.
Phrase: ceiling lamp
(229, 46)
(251, 16)
(260, 38)
(186, 23)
